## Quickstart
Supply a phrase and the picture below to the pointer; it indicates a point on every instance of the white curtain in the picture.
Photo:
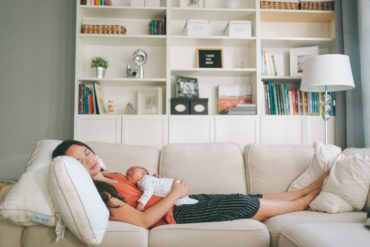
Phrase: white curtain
(353, 39)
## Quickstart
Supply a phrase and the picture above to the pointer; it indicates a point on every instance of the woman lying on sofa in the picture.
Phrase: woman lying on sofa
(121, 197)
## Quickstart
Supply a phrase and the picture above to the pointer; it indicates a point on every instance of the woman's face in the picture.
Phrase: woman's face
(86, 157)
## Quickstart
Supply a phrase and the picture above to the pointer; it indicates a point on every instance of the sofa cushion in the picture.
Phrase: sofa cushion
(228, 233)
(279, 223)
(10, 234)
(29, 200)
(349, 151)
(207, 168)
(118, 234)
(347, 186)
(119, 157)
(328, 235)
(322, 161)
(271, 168)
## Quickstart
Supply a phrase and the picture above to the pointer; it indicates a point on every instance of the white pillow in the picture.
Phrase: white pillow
(77, 200)
(347, 185)
(29, 201)
(321, 162)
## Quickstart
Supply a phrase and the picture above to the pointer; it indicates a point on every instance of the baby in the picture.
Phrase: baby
(151, 185)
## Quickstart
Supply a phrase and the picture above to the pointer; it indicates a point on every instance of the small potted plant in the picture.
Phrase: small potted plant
(99, 64)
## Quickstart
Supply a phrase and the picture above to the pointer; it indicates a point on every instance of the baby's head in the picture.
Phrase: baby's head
(135, 173)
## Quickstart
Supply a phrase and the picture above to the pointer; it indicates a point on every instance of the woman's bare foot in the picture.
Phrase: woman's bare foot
(307, 199)
(316, 185)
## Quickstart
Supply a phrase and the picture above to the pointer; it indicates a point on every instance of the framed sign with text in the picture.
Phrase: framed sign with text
(209, 58)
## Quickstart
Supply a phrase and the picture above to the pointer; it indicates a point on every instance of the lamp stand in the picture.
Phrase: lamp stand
(326, 110)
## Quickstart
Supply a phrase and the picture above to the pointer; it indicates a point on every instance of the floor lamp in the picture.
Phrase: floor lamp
(327, 73)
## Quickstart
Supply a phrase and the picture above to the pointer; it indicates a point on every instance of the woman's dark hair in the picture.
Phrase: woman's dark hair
(106, 192)
(62, 148)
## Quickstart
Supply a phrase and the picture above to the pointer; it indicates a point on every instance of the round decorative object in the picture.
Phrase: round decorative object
(180, 108)
(139, 57)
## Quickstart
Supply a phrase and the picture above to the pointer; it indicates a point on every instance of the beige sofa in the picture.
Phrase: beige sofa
(214, 168)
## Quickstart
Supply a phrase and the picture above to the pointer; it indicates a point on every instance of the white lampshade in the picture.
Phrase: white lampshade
(331, 72)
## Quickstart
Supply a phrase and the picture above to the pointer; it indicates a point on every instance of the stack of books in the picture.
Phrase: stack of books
(243, 109)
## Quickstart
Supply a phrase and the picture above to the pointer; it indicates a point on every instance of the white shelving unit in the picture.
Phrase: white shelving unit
(174, 54)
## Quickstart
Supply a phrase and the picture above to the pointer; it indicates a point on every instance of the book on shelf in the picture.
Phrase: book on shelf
(90, 99)
(284, 99)
(235, 100)
(157, 27)
(96, 2)
(272, 62)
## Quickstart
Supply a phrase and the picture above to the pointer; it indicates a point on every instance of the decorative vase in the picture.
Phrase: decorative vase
(100, 72)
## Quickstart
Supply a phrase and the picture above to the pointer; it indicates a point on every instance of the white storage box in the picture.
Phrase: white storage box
(152, 3)
(240, 29)
(197, 28)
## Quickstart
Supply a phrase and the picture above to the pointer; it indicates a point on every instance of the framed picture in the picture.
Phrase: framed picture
(187, 87)
(149, 101)
(298, 56)
(209, 58)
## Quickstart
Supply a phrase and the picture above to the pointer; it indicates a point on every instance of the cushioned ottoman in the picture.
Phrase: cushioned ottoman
(328, 235)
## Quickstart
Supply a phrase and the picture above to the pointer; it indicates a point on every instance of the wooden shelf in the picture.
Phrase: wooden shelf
(215, 72)
(114, 39)
(125, 12)
(126, 81)
(278, 78)
(295, 42)
(297, 15)
(182, 40)
(214, 13)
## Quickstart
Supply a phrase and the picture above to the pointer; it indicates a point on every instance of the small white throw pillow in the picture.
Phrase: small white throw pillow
(321, 162)
(347, 186)
(29, 201)
(77, 200)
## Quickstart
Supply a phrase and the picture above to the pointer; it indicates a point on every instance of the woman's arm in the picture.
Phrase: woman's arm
(150, 216)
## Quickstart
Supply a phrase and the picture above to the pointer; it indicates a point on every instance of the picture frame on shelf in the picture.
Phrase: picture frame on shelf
(149, 101)
(187, 87)
(298, 56)
(210, 58)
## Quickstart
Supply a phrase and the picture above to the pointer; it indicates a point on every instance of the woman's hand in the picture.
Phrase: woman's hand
(179, 188)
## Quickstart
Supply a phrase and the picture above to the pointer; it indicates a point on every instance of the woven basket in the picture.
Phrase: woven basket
(279, 5)
(313, 5)
(103, 29)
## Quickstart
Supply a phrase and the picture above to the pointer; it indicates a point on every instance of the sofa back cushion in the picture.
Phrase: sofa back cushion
(271, 168)
(207, 168)
(349, 151)
(119, 157)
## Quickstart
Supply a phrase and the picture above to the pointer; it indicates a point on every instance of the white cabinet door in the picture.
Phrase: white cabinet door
(145, 130)
(282, 130)
(191, 129)
(100, 128)
(316, 130)
(242, 130)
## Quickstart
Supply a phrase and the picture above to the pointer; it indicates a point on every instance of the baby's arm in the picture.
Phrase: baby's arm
(146, 185)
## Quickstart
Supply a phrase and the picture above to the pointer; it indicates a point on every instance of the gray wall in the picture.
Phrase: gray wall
(36, 77)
